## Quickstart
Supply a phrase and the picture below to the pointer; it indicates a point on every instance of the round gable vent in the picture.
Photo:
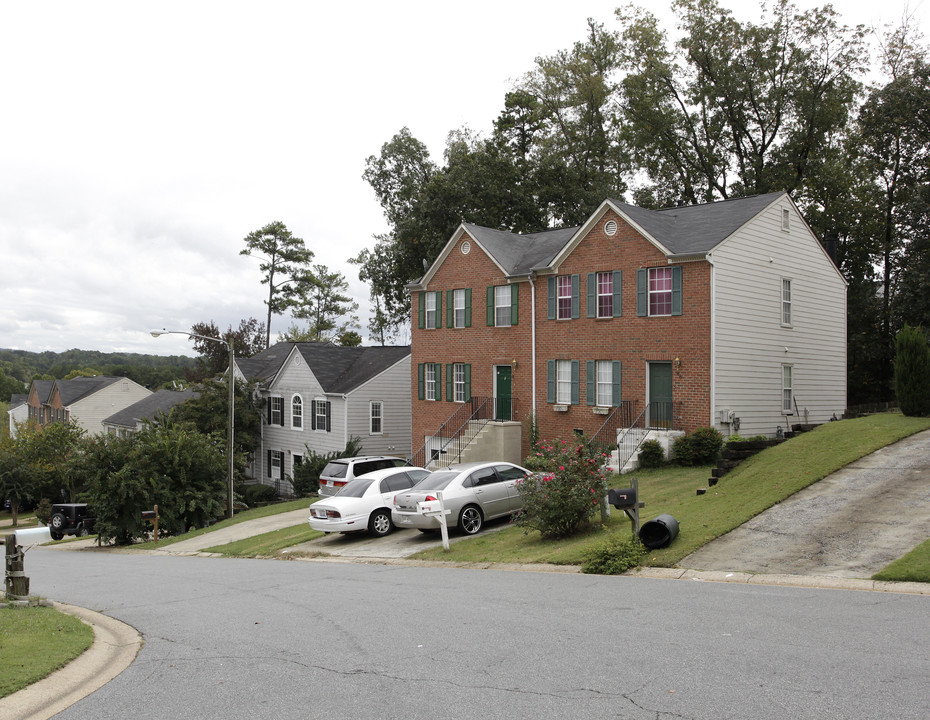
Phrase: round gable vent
(610, 227)
(466, 247)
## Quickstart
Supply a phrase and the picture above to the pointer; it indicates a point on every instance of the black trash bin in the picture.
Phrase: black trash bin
(659, 532)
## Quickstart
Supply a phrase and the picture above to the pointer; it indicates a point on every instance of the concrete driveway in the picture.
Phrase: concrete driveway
(850, 524)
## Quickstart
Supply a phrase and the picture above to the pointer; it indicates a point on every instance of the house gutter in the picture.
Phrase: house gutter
(533, 339)
(713, 338)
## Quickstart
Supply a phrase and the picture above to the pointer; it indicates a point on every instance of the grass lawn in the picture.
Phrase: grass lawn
(269, 543)
(36, 641)
(757, 484)
(913, 567)
(250, 514)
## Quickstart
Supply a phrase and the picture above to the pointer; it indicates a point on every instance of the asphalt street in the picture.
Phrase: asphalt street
(233, 638)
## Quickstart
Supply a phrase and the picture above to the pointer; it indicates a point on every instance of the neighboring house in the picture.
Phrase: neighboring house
(129, 420)
(317, 396)
(728, 314)
(18, 412)
(85, 400)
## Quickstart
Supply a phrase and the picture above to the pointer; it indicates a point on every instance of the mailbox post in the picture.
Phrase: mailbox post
(152, 516)
(627, 499)
(441, 512)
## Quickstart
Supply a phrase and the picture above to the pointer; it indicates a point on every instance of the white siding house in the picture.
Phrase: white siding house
(779, 326)
(87, 401)
(318, 396)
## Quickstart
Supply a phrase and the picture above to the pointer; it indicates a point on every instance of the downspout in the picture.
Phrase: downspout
(533, 341)
(345, 420)
(713, 338)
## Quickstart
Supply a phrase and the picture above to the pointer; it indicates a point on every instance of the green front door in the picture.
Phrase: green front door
(503, 404)
(660, 395)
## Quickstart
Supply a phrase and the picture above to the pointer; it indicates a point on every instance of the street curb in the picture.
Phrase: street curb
(115, 646)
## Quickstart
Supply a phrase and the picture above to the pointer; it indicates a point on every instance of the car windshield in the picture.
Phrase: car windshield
(335, 470)
(436, 481)
(354, 488)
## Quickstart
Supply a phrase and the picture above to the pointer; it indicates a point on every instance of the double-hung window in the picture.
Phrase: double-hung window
(787, 396)
(602, 378)
(786, 301)
(320, 415)
(276, 411)
(562, 381)
(503, 305)
(458, 382)
(459, 308)
(658, 291)
(376, 418)
(429, 306)
(429, 379)
(604, 294)
(563, 301)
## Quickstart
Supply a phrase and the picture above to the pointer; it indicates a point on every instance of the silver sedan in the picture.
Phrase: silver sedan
(471, 494)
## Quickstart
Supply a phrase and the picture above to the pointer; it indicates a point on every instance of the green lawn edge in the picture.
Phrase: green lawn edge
(754, 486)
(35, 642)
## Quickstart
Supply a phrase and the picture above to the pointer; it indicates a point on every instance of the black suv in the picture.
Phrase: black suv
(70, 519)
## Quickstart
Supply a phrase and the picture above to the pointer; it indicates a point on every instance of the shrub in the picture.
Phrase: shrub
(912, 371)
(258, 493)
(565, 493)
(699, 448)
(612, 557)
(651, 454)
(44, 510)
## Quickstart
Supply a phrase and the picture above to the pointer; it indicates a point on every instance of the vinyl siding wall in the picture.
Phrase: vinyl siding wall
(392, 389)
(750, 341)
(91, 411)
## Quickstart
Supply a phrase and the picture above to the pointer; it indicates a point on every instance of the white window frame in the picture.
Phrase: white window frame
(458, 311)
(277, 461)
(563, 297)
(604, 383)
(320, 406)
(563, 382)
(429, 381)
(652, 279)
(598, 295)
(430, 310)
(375, 415)
(787, 390)
(458, 382)
(297, 413)
(277, 410)
(786, 302)
(786, 220)
(503, 299)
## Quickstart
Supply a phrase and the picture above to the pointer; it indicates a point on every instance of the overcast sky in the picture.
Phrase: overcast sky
(140, 142)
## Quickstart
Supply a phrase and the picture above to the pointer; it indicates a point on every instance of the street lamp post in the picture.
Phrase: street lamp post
(232, 411)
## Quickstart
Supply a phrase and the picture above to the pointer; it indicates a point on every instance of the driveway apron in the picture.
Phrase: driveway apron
(850, 524)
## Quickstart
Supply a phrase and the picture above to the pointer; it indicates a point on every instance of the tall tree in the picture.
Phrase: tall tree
(735, 108)
(325, 305)
(284, 263)
(247, 339)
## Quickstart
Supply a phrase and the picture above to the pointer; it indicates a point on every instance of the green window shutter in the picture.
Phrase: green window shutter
(490, 311)
(438, 381)
(467, 382)
(550, 300)
(420, 393)
(676, 290)
(618, 293)
(550, 381)
(576, 301)
(467, 307)
(450, 308)
(616, 377)
(642, 293)
(576, 368)
(590, 382)
(421, 310)
(591, 304)
(450, 375)
(514, 304)
(439, 309)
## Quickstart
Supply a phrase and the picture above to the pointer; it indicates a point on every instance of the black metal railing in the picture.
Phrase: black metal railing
(605, 438)
(455, 434)
(655, 416)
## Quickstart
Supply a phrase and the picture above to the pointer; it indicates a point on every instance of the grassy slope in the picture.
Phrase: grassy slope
(35, 642)
(754, 486)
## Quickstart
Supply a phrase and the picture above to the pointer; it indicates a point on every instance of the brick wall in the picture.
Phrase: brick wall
(634, 341)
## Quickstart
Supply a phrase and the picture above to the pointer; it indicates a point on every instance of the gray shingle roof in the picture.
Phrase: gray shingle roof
(70, 391)
(338, 369)
(17, 400)
(686, 230)
(148, 408)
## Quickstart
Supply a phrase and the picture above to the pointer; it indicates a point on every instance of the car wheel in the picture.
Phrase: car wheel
(82, 531)
(379, 524)
(56, 535)
(58, 522)
(470, 519)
